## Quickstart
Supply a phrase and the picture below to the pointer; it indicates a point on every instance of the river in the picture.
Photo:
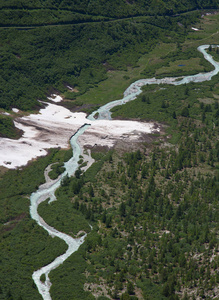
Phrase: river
(48, 189)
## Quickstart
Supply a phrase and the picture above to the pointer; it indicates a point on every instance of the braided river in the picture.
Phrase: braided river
(47, 190)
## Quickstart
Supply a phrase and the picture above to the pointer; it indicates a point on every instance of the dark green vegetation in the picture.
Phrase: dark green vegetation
(58, 167)
(24, 245)
(153, 211)
(7, 128)
(214, 52)
(38, 60)
(28, 12)
(165, 104)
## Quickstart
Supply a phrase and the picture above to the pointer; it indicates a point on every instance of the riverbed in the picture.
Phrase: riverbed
(39, 133)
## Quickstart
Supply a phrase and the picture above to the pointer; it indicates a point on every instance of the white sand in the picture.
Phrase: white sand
(70, 88)
(88, 159)
(53, 127)
(5, 113)
(55, 98)
(107, 133)
(15, 110)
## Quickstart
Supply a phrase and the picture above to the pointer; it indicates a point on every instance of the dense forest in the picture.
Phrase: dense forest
(153, 206)
(103, 35)
(36, 61)
(154, 211)
(113, 8)
(47, 46)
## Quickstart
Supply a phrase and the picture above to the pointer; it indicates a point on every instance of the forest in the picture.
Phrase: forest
(154, 211)
(153, 206)
(49, 45)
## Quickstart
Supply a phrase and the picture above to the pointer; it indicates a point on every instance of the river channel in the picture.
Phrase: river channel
(47, 190)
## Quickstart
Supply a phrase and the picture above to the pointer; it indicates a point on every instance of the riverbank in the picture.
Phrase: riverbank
(105, 130)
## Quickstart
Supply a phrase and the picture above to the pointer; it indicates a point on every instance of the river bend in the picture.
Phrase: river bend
(48, 189)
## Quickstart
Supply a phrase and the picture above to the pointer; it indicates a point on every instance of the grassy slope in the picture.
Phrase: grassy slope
(37, 60)
(152, 64)
(105, 195)
(15, 187)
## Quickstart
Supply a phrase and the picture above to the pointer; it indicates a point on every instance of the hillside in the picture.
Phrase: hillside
(76, 43)
(150, 208)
